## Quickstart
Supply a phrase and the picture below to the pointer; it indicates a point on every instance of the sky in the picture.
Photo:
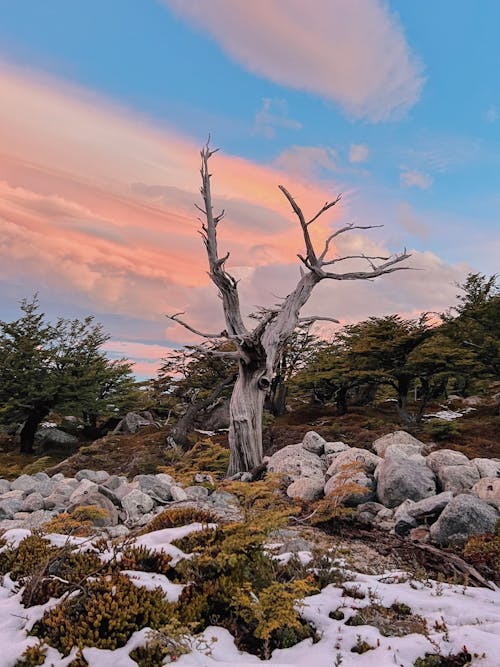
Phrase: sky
(105, 106)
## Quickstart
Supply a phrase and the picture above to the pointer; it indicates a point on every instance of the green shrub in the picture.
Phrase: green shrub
(441, 429)
(106, 612)
(32, 656)
(145, 560)
(176, 517)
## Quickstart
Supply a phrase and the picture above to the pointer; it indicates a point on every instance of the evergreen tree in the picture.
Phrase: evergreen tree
(60, 366)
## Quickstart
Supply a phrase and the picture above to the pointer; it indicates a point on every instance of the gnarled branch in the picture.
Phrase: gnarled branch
(175, 318)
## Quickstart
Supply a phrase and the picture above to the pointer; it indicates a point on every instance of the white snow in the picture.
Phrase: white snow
(472, 617)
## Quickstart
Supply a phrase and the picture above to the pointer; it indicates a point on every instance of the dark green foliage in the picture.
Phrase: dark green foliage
(461, 659)
(150, 655)
(394, 621)
(46, 366)
(146, 560)
(106, 612)
(441, 429)
(173, 518)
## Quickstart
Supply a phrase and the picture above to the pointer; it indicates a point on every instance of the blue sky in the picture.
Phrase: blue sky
(422, 155)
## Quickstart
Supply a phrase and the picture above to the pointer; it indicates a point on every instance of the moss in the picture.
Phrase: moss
(28, 558)
(105, 613)
(80, 522)
(394, 621)
(205, 457)
(32, 656)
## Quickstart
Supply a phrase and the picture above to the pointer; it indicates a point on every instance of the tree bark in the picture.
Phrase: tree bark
(245, 411)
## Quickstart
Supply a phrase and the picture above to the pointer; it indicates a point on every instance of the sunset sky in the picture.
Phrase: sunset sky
(104, 105)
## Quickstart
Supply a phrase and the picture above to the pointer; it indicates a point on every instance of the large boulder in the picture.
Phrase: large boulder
(485, 467)
(351, 489)
(295, 461)
(458, 479)
(97, 476)
(33, 502)
(155, 487)
(399, 479)
(97, 499)
(488, 489)
(133, 421)
(464, 516)
(314, 443)
(404, 451)
(54, 437)
(356, 458)
(136, 504)
(308, 489)
(445, 457)
(397, 438)
(82, 491)
(32, 483)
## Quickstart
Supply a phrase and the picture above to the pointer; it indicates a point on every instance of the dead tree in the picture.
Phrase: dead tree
(257, 350)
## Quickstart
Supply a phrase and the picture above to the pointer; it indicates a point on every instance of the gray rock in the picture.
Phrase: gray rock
(33, 502)
(384, 514)
(365, 460)
(337, 486)
(197, 492)
(396, 438)
(137, 503)
(428, 509)
(58, 477)
(41, 477)
(167, 479)
(124, 489)
(486, 467)
(399, 479)
(458, 479)
(334, 448)
(133, 421)
(295, 462)
(114, 481)
(488, 489)
(97, 476)
(54, 437)
(404, 451)
(82, 491)
(24, 483)
(117, 531)
(97, 499)
(202, 478)
(402, 509)
(9, 507)
(110, 495)
(4, 486)
(154, 487)
(404, 525)
(445, 457)
(36, 519)
(464, 516)
(295, 545)
(314, 443)
(56, 500)
(366, 518)
(372, 507)
(178, 494)
(14, 495)
(308, 489)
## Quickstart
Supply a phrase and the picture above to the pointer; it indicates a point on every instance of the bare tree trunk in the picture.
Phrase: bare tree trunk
(245, 412)
(29, 429)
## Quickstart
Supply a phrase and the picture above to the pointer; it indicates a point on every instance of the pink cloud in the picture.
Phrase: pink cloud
(351, 51)
(358, 153)
(417, 179)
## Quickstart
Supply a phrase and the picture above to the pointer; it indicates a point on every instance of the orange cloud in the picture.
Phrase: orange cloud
(351, 51)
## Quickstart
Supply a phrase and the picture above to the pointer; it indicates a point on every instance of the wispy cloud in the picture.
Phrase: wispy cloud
(411, 222)
(352, 52)
(358, 153)
(411, 178)
(309, 162)
(492, 115)
(273, 115)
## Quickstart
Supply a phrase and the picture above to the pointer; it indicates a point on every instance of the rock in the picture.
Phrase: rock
(33, 502)
(428, 509)
(295, 545)
(472, 401)
(404, 451)
(458, 479)
(485, 467)
(25, 483)
(178, 494)
(401, 479)
(404, 524)
(403, 508)
(4, 486)
(372, 507)
(58, 477)
(117, 531)
(114, 481)
(41, 477)
(295, 462)
(385, 513)
(133, 421)
(203, 478)
(97, 499)
(339, 484)
(445, 457)
(314, 443)
(488, 489)
(420, 534)
(54, 437)
(110, 495)
(124, 489)
(56, 500)
(366, 518)
(36, 519)
(9, 507)
(196, 492)
(14, 495)
(308, 489)
(97, 476)
(335, 447)
(137, 503)
(396, 438)
(367, 461)
(464, 516)
(154, 487)
(82, 491)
